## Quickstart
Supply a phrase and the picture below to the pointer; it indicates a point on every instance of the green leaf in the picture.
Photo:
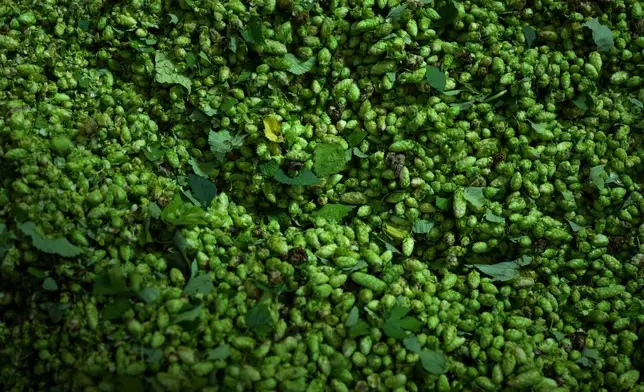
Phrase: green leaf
(152, 355)
(530, 35)
(587, 355)
(194, 267)
(201, 284)
(503, 271)
(203, 189)
(634, 310)
(298, 67)
(411, 324)
(397, 312)
(568, 195)
(613, 178)
(180, 213)
(558, 335)
(448, 13)
(55, 311)
(228, 104)
(190, 315)
(181, 244)
(451, 93)
(306, 5)
(539, 127)
(352, 319)
(150, 294)
(602, 35)
(166, 72)
(475, 196)
(37, 273)
(584, 361)
(575, 227)
(111, 283)
(597, 176)
(328, 158)
(638, 104)
(83, 25)
(433, 361)
(259, 319)
(411, 343)
(174, 19)
(4, 246)
(393, 330)
(436, 78)
(116, 309)
(243, 76)
(359, 265)
(269, 168)
(333, 212)
(423, 226)
(223, 142)
(361, 328)
(153, 154)
(359, 154)
(221, 352)
(254, 33)
(275, 290)
(389, 246)
(232, 44)
(58, 246)
(492, 217)
(396, 323)
(306, 177)
(192, 199)
(391, 76)
(49, 284)
(356, 137)
(193, 60)
(396, 13)
(202, 169)
(443, 204)
(580, 102)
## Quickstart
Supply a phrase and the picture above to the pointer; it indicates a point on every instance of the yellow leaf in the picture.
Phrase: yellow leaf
(272, 129)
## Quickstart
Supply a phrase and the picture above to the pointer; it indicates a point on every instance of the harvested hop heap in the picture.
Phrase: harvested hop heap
(312, 196)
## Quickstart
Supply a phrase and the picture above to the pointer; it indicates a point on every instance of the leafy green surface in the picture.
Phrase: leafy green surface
(433, 361)
(188, 315)
(423, 226)
(504, 271)
(436, 78)
(328, 159)
(492, 217)
(150, 294)
(306, 177)
(221, 352)
(396, 324)
(333, 212)
(530, 35)
(201, 284)
(116, 309)
(166, 72)
(58, 246)
(475, 196)
(298, 67)
(179, 213)
(259, 319)
(602, 35)
(203, 189)
(395, 13)
(223, 142)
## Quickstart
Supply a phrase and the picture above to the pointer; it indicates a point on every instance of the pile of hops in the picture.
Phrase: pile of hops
(302, 196)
